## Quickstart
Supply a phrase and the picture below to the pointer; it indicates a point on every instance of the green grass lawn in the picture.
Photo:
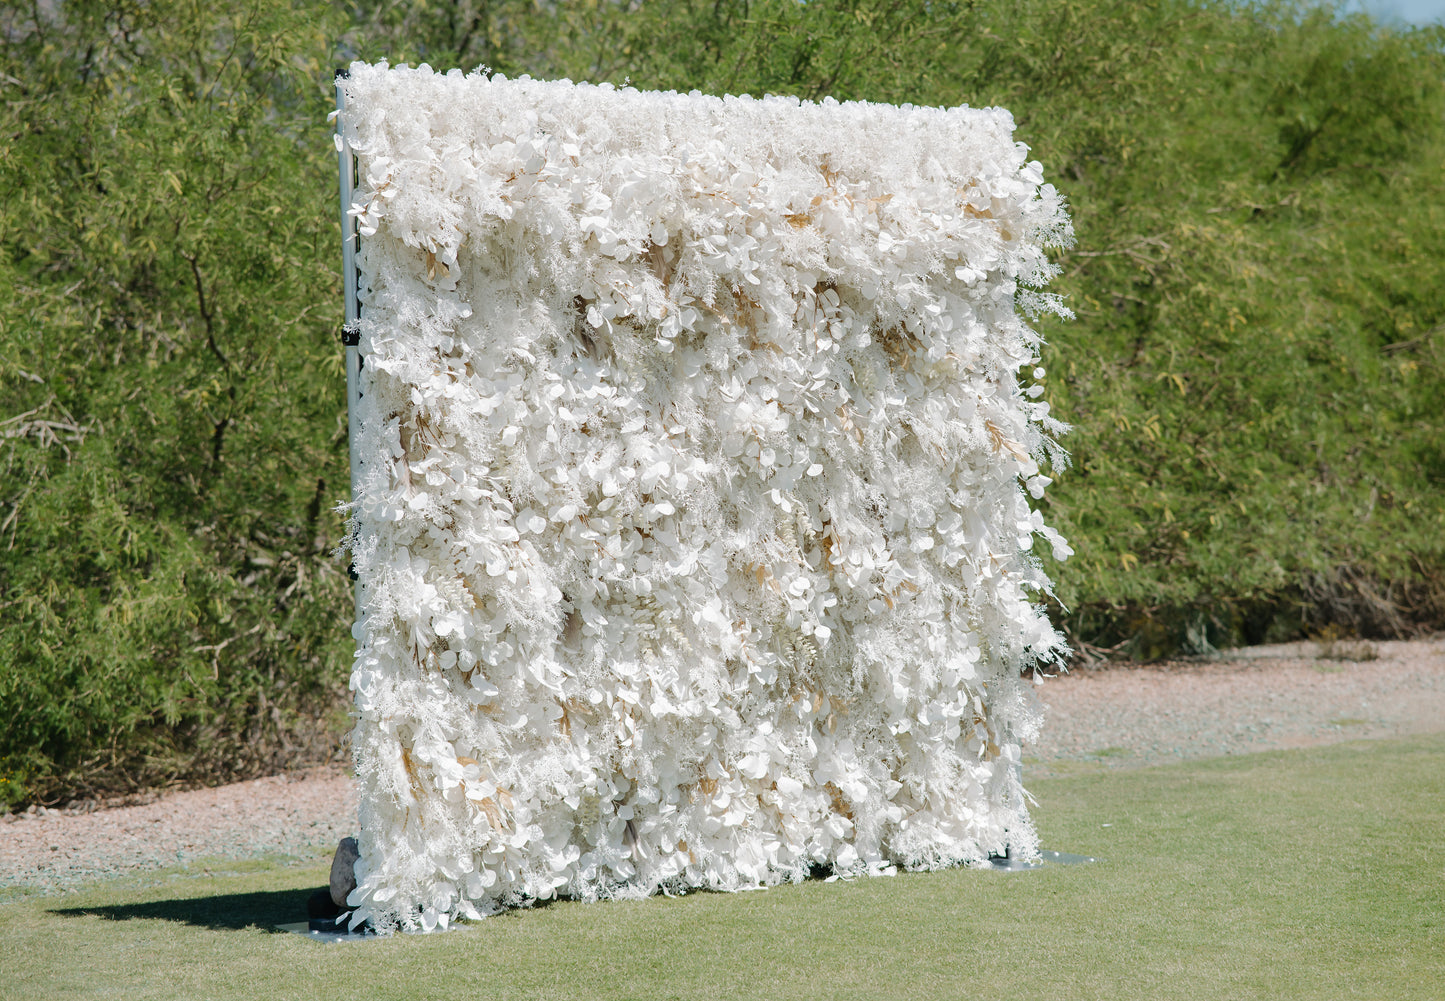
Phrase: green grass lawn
(1313, 874)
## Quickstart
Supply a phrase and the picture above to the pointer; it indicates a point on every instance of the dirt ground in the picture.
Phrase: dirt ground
(1255, 699)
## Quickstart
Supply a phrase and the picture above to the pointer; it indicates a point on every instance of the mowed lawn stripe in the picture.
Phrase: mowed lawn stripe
(1313, 874)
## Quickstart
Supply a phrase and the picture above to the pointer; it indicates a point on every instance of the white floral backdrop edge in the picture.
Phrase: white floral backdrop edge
(695, 539)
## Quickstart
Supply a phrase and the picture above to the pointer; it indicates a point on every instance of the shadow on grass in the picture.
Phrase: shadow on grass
(226, 911)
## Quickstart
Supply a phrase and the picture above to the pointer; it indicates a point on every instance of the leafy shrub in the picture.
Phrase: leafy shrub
(174, 429)
(1255, 373)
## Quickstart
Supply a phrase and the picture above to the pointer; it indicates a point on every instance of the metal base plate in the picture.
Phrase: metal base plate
(304, 928)
(1003, 863)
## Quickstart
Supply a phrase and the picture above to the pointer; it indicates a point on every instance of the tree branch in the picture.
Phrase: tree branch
(206, 314)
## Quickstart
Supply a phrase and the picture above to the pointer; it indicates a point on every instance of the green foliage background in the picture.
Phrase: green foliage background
(1255, 373)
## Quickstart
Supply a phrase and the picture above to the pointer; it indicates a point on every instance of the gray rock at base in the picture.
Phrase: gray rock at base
(343, 870)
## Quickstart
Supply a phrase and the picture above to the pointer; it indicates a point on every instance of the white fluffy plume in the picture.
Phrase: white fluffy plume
(694, 533)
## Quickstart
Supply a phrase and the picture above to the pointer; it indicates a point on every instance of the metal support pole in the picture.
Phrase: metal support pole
(350, 277)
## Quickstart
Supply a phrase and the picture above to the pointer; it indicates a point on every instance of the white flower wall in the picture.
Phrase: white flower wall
(695, 535)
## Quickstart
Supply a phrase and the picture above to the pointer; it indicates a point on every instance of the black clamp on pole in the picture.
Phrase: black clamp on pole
(351, 333)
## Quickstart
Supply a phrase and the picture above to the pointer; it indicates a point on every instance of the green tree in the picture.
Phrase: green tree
(1255, 374)
(171, 394)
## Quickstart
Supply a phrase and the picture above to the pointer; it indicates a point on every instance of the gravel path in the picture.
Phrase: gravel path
(1252, 700)
(303, 816)
(1255, 699)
